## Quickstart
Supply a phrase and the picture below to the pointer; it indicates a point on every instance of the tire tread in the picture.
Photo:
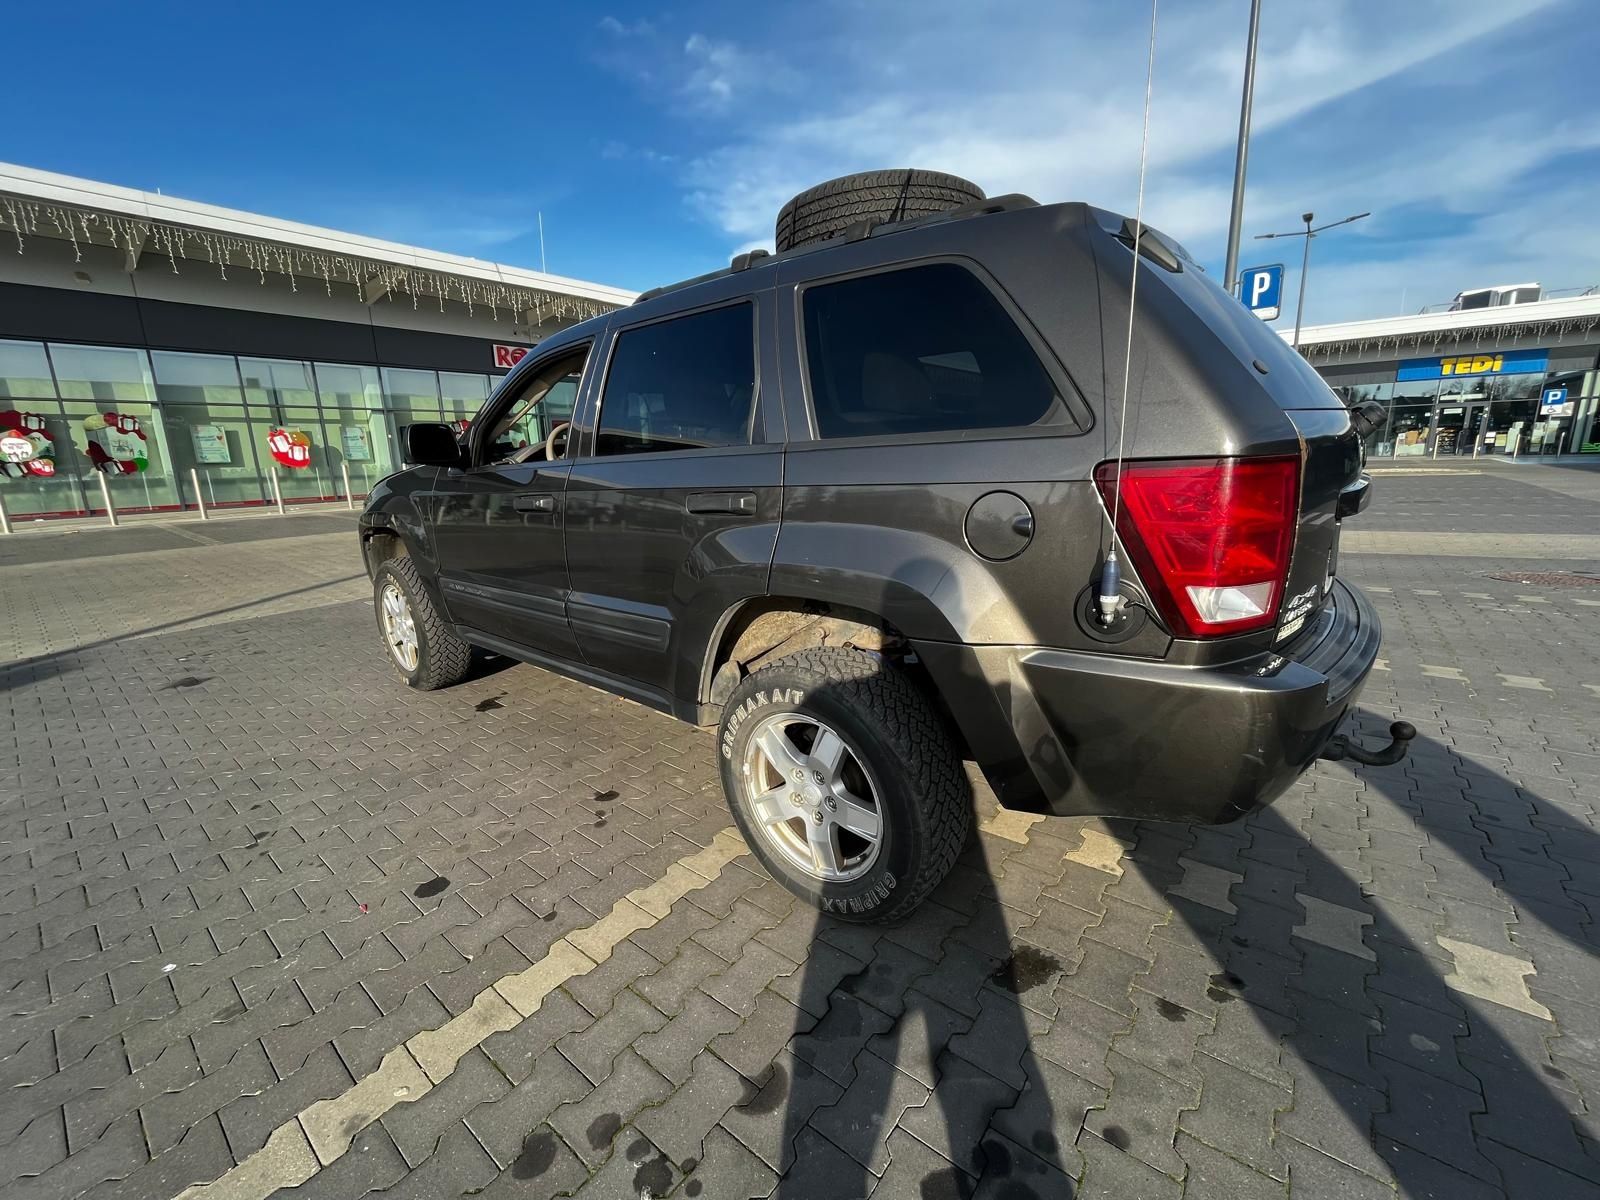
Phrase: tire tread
(830, 208)
(916, 733)
(445, 659)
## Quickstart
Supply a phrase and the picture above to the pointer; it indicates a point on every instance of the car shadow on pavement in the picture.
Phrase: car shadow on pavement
(1238, 1005)
(1406, 1053)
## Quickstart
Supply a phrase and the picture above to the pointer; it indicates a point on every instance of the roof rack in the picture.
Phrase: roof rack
(855, 233)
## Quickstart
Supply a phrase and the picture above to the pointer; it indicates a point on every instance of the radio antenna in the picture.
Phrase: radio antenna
(1110, 599)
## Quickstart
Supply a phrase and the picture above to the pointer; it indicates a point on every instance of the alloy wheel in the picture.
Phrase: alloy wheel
(399, 626)
(811, 798)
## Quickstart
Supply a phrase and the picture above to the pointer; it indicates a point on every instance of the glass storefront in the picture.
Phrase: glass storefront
(1469, 405)
(155, 425)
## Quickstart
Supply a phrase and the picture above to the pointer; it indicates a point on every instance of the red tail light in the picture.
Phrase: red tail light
(1211, 537)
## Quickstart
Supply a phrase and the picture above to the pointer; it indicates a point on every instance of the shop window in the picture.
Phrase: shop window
(196, 378)
(411, 397)
(272, 381)
(358, 441)
(51, 487)
(25, 372)
(105, 374)
(461, 395)
(292, 446)
(213, 444)
(125, 443)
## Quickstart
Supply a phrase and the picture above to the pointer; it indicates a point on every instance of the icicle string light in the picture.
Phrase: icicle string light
(131, 234)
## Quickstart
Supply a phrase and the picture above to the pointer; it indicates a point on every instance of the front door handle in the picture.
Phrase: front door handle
(735, 504)
(536, 502)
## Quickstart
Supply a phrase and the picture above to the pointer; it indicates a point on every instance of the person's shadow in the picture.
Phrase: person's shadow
(920, 1056)
(1238, 987)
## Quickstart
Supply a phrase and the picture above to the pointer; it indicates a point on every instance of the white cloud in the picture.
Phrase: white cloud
(1050, 103)
(626, 29)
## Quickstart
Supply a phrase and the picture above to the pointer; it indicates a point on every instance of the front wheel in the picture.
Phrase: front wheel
(422, 648)
(843, 779)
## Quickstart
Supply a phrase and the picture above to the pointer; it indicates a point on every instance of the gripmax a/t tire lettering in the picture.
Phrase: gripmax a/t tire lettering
(888, 723)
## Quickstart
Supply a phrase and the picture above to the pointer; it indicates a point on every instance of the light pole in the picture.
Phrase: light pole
(1305, 260)
(1230, 268)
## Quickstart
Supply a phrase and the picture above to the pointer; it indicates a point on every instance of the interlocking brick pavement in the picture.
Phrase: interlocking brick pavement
(242, 869)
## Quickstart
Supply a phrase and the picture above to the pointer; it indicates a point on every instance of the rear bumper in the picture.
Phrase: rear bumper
(1071, 733)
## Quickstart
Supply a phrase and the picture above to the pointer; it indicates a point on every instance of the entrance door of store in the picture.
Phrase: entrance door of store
(1457, 429)
(1471, 430)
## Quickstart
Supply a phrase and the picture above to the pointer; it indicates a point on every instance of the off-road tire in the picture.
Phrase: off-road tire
(443, 659)
(828, 209)
(925, 802)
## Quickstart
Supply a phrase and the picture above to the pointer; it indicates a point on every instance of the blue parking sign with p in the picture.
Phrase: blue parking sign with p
(1261, 289)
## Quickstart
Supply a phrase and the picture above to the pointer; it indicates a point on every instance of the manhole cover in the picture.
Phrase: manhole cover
(1556, 579)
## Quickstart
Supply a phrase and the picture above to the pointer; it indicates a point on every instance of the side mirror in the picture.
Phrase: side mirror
(430, 444)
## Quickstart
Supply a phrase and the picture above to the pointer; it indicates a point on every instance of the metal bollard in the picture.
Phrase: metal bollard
(105, 494)
(199, 498)
(5, 517)
(277, 492)
(349, 496)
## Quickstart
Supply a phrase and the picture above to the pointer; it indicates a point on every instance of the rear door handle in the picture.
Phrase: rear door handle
(736, 504)
(538, 502)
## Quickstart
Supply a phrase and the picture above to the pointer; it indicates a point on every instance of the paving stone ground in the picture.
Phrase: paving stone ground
(268, 920)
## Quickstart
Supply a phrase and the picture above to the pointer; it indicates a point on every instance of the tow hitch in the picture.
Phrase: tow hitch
(1341, 746)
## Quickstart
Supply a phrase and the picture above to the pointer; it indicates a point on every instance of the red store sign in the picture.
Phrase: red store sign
(506, 357)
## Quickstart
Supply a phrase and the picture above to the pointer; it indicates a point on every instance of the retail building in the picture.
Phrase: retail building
(157, 346)
(1513, 378)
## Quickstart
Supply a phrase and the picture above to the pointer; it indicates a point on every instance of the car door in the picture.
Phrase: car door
(503, 570)
(672, 511)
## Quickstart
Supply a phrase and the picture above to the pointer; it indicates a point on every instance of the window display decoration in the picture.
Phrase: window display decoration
(115, 443)
(290, 448)
(26, 447)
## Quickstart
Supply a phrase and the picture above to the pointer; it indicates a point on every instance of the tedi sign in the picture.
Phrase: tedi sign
(1516, 362)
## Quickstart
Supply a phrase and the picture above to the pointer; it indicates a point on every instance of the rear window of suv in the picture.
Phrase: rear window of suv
(925, 349)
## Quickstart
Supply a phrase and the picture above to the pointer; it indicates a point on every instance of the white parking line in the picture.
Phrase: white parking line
(1489, 975)
(1206, 885)
(322, 1133)
(1335, 926)
(1010, 824)
(1100, 851)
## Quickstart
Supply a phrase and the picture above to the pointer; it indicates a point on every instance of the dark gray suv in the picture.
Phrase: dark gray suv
(852, 503)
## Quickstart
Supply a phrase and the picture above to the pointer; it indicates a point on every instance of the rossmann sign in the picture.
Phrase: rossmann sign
(1453, 366)
(506, 357)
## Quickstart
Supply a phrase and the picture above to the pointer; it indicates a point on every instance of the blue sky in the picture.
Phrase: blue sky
(657, 140)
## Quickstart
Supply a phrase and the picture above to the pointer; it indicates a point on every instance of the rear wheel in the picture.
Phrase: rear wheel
(843, 780)
(423, 649)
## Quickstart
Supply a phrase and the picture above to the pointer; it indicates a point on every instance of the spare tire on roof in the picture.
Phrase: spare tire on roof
(828, 209)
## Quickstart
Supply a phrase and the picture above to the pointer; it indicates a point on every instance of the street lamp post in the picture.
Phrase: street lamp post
(1230, 267)
(1305, 259)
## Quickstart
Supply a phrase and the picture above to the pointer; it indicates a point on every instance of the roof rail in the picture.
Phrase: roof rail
(861, 229)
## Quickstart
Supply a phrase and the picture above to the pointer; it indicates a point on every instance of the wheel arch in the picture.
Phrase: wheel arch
(764, 629)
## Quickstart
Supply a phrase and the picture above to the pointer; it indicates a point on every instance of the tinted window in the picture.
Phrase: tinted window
(681, 385)
(921, 350)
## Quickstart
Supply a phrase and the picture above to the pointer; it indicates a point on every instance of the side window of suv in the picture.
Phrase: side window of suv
(920, 350)
(682, 384)
(546, 401)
